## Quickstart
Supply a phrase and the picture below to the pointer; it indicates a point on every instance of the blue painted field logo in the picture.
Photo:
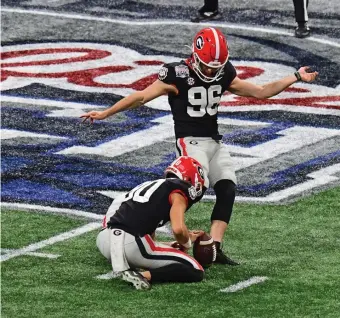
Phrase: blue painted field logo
(283, 147)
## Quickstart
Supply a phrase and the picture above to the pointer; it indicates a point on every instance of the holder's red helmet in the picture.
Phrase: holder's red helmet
(210, 48)
(187, 169)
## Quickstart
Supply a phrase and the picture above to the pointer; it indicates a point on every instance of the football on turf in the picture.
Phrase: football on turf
(204, 250)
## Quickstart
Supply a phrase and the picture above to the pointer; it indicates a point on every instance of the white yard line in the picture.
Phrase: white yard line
(49, 102)
(244, 284)
(41, 208)
(164, 230)
(46, 255)
(331, 42)
(51, 256)
(52, 240)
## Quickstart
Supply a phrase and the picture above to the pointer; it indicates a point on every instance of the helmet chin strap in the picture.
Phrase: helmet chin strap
(206, 78)
(200, 74)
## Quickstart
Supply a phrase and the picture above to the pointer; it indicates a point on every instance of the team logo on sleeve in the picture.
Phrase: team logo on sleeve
(192, 193)
(162, 74)
(182, 71)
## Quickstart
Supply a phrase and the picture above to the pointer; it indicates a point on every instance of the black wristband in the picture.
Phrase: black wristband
(298, 76)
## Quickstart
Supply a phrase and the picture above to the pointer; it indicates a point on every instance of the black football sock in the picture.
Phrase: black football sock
(218, 245)
(302, 24)
(210, 6)
(225, 191)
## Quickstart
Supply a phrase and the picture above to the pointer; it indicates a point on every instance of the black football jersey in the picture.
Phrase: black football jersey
(147, 206)
(195, 106)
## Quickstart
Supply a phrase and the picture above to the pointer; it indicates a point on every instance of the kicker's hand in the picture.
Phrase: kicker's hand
(307, 76)
(178, 246)
(93, 115)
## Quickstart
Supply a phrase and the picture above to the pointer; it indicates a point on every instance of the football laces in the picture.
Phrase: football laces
(214, 253)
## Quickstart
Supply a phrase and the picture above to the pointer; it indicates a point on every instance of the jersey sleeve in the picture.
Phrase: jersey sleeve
(167, 74)
(229, 75)
(231, 71)
(186, 190)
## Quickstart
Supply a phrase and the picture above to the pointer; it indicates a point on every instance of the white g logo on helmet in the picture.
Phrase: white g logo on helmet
(201, 172)
(199, 43)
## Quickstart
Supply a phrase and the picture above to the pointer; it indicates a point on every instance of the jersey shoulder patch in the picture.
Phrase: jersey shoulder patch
(182, 70)
(170, 73)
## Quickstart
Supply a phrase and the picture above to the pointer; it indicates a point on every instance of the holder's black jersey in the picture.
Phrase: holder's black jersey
(147, 206)
(195, 106)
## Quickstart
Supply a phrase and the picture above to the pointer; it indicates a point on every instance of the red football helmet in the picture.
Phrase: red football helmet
(209, 50)
(187, 169)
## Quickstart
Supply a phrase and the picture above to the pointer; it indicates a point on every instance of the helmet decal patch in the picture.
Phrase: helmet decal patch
(200, 171)
(192, 193)
(199, 43)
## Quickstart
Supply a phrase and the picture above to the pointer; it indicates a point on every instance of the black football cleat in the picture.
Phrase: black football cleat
(302, 31)
(203, 16)
(221, 258)
(136, 279)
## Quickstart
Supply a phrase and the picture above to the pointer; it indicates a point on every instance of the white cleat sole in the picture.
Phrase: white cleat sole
(136, 280)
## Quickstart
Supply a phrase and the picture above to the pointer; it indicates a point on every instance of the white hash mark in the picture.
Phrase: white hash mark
(244, 284)
(107, 276)
(47, 255)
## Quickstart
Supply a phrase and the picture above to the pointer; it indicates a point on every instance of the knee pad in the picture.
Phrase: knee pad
(225, 191)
